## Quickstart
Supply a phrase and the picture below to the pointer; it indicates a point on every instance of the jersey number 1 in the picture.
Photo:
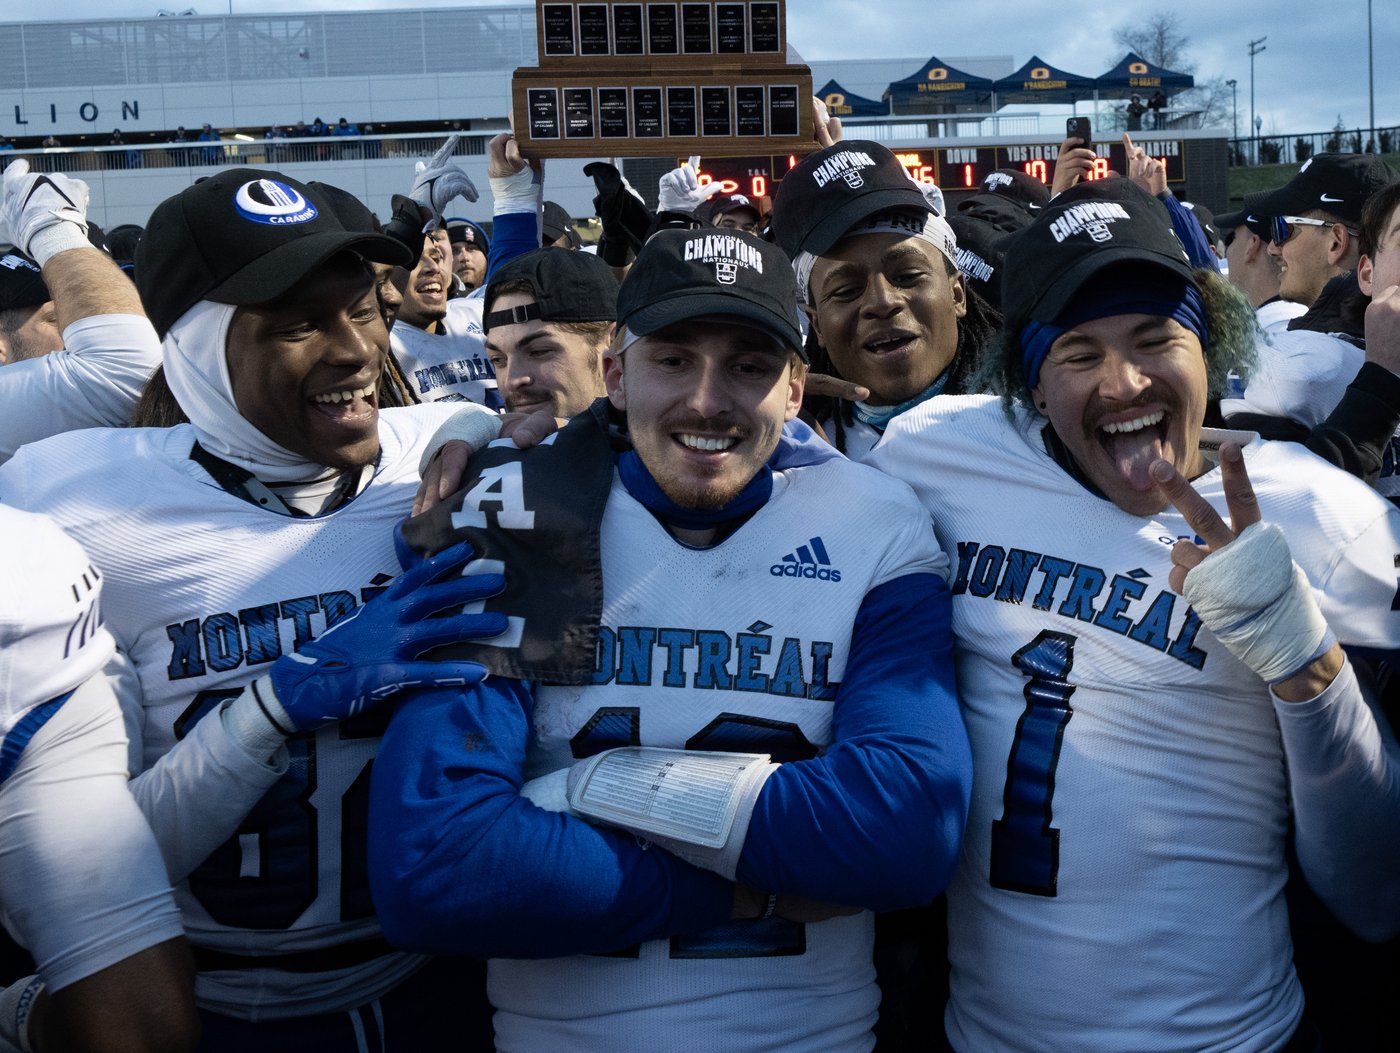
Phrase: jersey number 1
(1025, 847)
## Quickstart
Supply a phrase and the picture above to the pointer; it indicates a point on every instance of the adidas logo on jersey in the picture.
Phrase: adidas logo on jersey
(809, 561)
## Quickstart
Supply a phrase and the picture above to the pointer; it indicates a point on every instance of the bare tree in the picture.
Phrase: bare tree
(1160, 41)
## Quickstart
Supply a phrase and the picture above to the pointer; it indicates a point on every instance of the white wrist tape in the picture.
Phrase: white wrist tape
(550, 792)
(519, 192)
(251, 720)
(1258, 603)
(16, 1003)
(476, 426)
(61, 236)
(695, 805)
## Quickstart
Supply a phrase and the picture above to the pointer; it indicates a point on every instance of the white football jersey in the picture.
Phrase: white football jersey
(689, 659)
(202, 590)
(452, 365)
(1121, 885)
(1301, 375)
(51, 634)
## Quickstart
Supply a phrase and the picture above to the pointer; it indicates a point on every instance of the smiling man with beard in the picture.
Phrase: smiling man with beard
(1141, 765)
(808, 713)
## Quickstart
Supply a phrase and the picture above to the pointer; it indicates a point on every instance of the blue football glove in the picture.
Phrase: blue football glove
(373, 654)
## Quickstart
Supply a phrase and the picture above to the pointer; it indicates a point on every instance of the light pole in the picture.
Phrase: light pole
(1234, 120)
(1371, 73)
(1255, 46)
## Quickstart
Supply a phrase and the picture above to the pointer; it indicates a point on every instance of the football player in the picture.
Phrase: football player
(742, 610)
(1154, 689)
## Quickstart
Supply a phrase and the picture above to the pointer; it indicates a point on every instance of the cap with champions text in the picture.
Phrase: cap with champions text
(568, 287)
(983, 231)
(21, 283)
(832, 190)
(706, 273)
(1082, 231)
(1335, 183)
(244, 236)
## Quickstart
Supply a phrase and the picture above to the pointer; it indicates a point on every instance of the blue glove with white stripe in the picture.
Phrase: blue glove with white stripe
(374, 653)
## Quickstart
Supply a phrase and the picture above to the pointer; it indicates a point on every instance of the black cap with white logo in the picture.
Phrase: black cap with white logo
(1256, 220)
(984, 226)
(21, 282)
(1082, 231)
(244, 236)
(710, 273)
(1011, 183)
(1335, 183)
(567, 286)
(832, 190)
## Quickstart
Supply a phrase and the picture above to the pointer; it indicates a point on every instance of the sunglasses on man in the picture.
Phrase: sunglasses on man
(1281, 228)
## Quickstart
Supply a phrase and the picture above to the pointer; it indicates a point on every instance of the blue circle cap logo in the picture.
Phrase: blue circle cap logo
(274, 203)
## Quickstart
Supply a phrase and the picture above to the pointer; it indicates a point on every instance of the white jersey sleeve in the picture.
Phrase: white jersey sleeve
(51, 633)
(93, 382)
(1301, 375)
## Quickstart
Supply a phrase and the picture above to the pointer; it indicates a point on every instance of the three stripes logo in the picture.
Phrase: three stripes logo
(809, 561)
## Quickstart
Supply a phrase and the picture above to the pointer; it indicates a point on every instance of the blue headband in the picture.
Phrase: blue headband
(1139, 294)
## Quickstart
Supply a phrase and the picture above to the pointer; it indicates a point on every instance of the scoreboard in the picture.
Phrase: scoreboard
(953, 168)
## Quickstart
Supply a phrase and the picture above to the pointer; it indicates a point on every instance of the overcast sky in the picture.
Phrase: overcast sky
(1314, 67)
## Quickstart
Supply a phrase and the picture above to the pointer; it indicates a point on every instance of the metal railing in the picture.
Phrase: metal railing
(1295, 149)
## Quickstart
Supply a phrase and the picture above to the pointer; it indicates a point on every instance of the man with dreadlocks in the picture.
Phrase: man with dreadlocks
(1158, 701)
(877, 270)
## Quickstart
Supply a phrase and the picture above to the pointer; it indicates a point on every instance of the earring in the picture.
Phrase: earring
(1042, 405)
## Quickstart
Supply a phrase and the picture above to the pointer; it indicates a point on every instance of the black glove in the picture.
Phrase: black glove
(625, 216)
(407, 223)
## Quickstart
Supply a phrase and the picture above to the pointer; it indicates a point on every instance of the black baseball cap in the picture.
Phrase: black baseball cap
(832, 190)
(1014, 185)
(557, 223)
(1206, 219)
(21, 282)
(568, 287)
(984, 225)
(1256, 220)
(465, 232)
(1081, 232)
(723, 204)
(707, 272)
(1338, 184)
(245, 236)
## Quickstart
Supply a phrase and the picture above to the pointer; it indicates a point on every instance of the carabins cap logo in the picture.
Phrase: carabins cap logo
(276, 204)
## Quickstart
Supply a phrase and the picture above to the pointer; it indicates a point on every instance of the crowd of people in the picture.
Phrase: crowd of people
(847, 624)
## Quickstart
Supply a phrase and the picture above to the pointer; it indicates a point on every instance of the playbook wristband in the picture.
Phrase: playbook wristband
(59, 236)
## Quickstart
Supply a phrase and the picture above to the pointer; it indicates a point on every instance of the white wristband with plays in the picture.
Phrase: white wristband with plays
(695, 805)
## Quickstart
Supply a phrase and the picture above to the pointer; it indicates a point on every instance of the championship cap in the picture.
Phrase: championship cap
(684, 274)
(832, 190)
(244, 236)
(568, 287)
(723, 204)
(556, 224)
(1335, 183)
(1011, 183)
(21, 282)
(1084, 230)
(464, 232)
(984, 225)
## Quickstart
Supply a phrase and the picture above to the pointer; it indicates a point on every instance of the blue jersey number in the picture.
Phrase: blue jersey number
(727, 733)
(1025, 846)
(264, 876)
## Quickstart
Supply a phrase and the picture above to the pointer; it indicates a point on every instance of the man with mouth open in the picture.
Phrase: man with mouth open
(1140, 764)
(227, 542)
(763, 662)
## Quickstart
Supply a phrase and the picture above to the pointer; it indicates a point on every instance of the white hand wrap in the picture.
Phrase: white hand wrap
(476, 426)
(1258, 603)
(519, 192)
(695, 805)
(252, 720)
(550, 792)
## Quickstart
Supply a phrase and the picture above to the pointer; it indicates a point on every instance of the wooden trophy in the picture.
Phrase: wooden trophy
(662, 79)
